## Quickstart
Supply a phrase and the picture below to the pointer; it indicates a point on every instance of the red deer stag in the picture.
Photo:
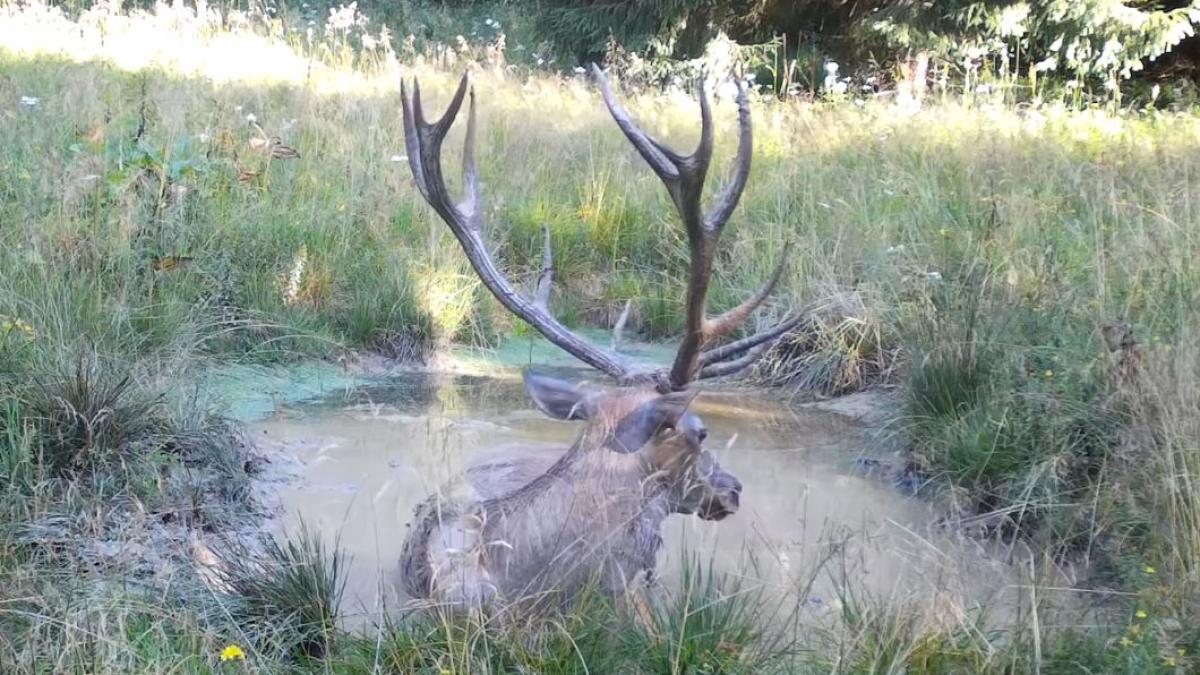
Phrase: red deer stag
(520, 533)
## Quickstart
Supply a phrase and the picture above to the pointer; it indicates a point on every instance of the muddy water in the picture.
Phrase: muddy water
(811, 518)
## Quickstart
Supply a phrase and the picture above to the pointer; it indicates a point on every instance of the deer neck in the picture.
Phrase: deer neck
(589, 494)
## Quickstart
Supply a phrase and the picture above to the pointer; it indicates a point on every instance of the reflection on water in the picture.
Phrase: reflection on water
(364, 458)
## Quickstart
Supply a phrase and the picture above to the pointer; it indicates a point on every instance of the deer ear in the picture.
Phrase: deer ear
(558, 398)
(639, 426)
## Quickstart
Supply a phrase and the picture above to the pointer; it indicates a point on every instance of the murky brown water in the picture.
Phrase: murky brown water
(362, 460)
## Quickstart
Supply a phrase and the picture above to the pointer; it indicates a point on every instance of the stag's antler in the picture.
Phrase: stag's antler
(683, 176)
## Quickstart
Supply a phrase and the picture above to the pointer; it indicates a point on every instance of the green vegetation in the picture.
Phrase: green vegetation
(1027, 276)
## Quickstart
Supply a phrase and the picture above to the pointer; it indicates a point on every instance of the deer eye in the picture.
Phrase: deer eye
(702, 434)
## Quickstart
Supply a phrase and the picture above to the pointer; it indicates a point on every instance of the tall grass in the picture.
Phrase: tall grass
(977, 257)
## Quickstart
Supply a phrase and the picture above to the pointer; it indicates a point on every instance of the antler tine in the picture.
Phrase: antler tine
(731, 193)
(424, 142)
(722, 325)
(730, 350)
(658, 156)
(411, 141)
(737, 365)
(547, 278)
(470, 203)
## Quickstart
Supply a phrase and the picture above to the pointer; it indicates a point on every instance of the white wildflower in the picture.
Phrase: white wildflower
(251, 118)
(291, 291)
(1046, 64)
(580, 70)
(29, 101)
(399, 158)
(935, 277)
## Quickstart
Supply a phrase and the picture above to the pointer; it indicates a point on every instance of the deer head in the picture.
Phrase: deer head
(659, 429)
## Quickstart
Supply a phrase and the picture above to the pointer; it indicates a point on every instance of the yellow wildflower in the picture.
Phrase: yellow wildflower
(1149, 570)
(1181, 651)
(1049, 374)
(1141, 614)
(1169, 661)
(11, 324)
(233, 653)
(944, 232)
(1126, 642)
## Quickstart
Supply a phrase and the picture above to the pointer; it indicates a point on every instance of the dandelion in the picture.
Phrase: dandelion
(1149, 570)
(11, 324)
(1141, 614)
(251, 118)
(233, 653)
(1049, 374)
(29, 101)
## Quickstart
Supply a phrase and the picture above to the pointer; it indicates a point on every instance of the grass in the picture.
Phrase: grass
(978, 257)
